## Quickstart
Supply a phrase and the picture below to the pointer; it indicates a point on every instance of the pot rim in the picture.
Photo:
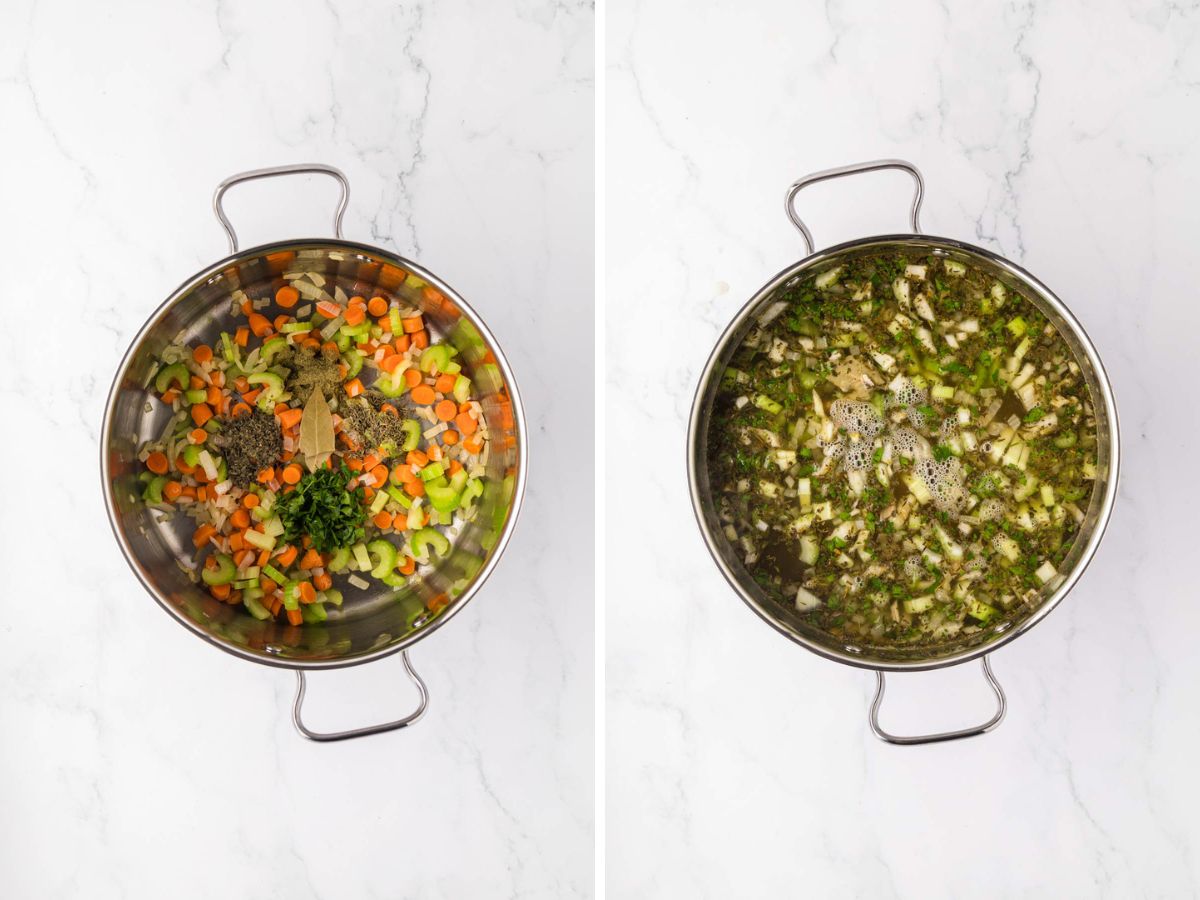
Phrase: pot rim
(1044, 293)
(518, 415)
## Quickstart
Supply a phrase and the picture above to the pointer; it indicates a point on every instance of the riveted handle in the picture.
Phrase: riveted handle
(298, 169)
(1001, 709)
(855, 169)
(326, 736)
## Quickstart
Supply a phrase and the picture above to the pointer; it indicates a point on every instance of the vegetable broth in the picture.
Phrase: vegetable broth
(902, 449)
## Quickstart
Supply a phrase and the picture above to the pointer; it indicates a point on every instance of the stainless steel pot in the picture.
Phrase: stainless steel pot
(951, 651)
(372, 624)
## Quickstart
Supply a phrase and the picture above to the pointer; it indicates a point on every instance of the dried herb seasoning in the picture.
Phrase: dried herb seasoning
(312, 370)
(250, 443)
(370, 424)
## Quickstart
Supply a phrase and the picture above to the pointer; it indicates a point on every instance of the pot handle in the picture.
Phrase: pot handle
(1001, 709)
(854, 169)
(366, 729)
(297, 169)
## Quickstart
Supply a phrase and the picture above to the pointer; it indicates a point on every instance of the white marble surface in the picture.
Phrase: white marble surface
(1063, 135)
(135, 760)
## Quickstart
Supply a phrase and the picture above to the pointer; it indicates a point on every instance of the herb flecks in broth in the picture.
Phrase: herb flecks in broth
(902, 449)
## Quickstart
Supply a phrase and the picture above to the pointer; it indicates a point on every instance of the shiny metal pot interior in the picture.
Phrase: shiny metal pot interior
(372, 623)
(926, 656)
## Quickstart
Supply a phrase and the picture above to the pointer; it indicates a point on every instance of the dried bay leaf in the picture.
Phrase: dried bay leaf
(316, 431)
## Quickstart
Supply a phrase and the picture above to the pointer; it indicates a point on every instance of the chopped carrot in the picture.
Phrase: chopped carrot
(370, 461)
(354, 387)
(287, 556)
(290, 418)
(218, 378)
(323, 582)
(473, 444)
(294, 617)
(241, 383)
(311, 560)
(214, 395)
(390, 410)
(416, 458)
(445, 383)
(434, 452)
(450, 438)
(202, 354)
(260, 324)
(423, 394)
(251, 500)
(438, 603)
(465, 423)
(446, 410)
(267, 474)
(241, 337)
(202, 494)
(420, 339)
(292, 474)
(240, 519)
(172, 490)
(383, 519)
(412, 377)
(389, 364)
(247, 307)
(412, 324)
(240, 409)
(378, 306)
(355, 315)
(329, 309)
(220, 591)
(354, 465)
(287, 296)
(401, 343)
(203, 535)
(401, 473)
(170, 395)
(236, 541)
(455, 466)
(380, 474)
(415, 488)
(157, 463)
(195, 382)
(308, 594)
(201, 414)
(407, 566)
(356, 300)
(251, 396)
(281, 320)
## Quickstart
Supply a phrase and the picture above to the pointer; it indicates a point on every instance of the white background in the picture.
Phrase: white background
(1063, 136)
(135, 760)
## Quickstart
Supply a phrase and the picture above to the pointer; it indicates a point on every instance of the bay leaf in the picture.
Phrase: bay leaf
(316, 431)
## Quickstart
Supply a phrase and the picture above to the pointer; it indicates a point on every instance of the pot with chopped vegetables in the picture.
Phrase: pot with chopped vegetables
(313, 454)
(903, 452)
